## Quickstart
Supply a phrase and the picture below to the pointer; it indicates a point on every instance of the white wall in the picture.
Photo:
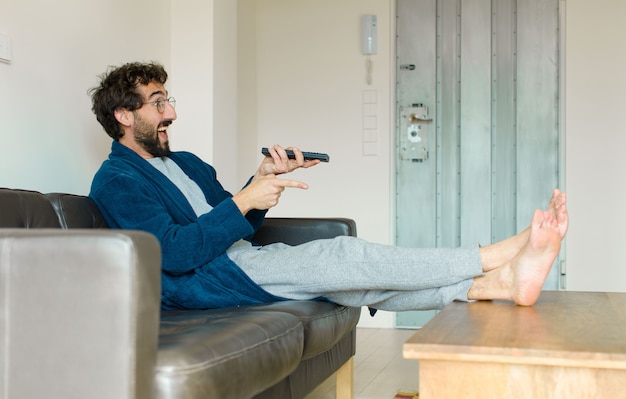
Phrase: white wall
(204, 81)
(596, 143)
(50, 139)
(191, 76)
(309, 89)
(247, 112)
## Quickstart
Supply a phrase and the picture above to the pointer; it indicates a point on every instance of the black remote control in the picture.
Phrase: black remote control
(308, 156)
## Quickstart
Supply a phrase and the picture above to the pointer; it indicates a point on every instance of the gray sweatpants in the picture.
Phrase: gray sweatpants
(353, 272)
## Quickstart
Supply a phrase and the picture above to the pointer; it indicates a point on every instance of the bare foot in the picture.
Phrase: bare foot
(521, 279)
(533, 263)
(558, 209)
(495, 255)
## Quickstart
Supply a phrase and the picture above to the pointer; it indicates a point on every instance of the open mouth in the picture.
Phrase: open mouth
(162, 130)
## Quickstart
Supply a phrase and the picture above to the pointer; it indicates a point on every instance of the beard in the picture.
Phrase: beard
(147, 137)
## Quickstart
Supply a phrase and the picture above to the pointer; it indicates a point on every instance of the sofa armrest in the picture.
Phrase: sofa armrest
(79, 313)
(295, 231)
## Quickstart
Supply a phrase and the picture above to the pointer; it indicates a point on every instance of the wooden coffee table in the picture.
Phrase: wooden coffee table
(568, 345)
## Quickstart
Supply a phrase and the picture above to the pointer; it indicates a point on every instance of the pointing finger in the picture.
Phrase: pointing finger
(292, 183)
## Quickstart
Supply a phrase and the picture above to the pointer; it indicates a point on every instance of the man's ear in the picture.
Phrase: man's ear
(124, 116)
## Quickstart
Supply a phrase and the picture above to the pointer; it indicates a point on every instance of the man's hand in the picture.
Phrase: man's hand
(263, 192)
(278, 163)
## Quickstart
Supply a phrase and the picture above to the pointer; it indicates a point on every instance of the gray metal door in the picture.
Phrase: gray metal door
(478, 104)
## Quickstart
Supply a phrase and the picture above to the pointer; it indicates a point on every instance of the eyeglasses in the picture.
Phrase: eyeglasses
(160, 103)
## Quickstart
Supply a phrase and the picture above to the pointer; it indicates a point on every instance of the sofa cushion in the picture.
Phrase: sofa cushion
(29, 209)
(324, 323)
(225, 353)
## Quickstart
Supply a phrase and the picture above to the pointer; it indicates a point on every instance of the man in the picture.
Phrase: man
(203, 230)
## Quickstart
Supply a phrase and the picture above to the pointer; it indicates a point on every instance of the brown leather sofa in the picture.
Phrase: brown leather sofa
(80, 317)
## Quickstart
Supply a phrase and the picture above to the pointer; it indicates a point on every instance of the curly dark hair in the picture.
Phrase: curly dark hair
(118, 89)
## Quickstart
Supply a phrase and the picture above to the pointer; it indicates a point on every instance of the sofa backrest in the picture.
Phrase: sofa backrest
(32, 209)
(76, 211)
(295, 231)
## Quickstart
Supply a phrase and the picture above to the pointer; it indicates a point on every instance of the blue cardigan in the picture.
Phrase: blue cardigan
(196, 272)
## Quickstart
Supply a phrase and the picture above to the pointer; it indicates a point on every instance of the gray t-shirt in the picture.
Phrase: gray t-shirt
(193, 193)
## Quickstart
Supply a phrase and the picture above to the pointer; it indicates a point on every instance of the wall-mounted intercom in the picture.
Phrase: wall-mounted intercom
(368, 34)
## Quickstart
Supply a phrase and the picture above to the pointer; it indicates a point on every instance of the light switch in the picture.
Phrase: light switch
(5, 48)
(369, 96)
(370, 122)
(370, 135)
(370, 149)
(370, 109)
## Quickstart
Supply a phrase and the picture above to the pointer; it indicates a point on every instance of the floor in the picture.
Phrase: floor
(380, 371)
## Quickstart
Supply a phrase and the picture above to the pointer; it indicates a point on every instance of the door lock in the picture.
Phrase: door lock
(414, 133)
